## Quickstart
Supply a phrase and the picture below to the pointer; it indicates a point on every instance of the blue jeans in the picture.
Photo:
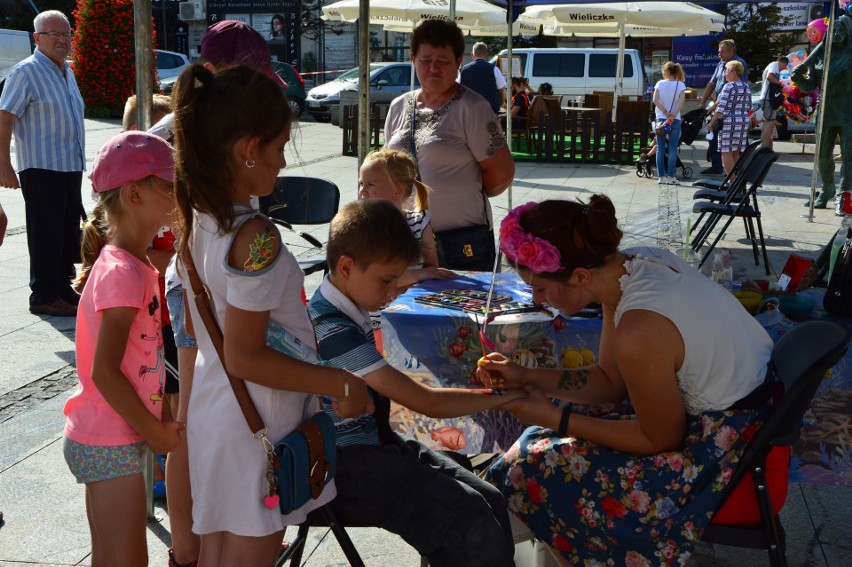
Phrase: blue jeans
(713, 155)
(667, 151)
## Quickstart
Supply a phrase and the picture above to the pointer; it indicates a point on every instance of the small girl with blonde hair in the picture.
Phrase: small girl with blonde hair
(117, 408)
(391, 175)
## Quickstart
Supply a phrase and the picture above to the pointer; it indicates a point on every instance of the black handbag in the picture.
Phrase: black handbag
(468, 248)
(838, 296)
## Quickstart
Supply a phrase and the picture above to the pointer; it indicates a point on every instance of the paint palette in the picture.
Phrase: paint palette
(473, 301)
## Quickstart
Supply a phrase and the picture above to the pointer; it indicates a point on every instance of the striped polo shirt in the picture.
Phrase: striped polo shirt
(345, 340)
(49, 130)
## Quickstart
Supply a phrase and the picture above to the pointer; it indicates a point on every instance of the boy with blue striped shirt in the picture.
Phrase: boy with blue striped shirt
(441, 509)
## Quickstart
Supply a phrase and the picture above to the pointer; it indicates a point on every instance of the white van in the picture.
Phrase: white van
(14, 46)
(577, 71)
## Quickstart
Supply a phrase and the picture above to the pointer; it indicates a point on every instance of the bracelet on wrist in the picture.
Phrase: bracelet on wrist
(345, 387)
(563, 421)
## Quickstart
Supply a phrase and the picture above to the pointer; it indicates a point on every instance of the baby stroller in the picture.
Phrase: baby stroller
(691, 123)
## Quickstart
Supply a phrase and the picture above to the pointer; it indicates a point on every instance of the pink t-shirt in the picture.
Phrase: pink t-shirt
(117, 279)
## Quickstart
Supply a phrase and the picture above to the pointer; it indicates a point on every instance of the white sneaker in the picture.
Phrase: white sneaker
(673, 181)
(663, 181)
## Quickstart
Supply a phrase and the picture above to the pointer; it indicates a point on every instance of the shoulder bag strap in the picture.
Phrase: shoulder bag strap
(203, 302)
(411, 132)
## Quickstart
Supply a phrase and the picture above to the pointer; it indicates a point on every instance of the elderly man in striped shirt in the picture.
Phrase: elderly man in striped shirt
(42, 106)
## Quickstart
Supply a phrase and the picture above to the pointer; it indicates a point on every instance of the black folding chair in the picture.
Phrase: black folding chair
(717, 191)
(800, 359)
(720, 185)
(741, 202)
(303, 201)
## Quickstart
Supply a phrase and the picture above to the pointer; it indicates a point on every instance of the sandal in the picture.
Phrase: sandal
(174, 563)
(57, 308)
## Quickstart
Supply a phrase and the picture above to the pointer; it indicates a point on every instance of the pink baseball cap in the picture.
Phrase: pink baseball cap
(131, 156)
(231, 42)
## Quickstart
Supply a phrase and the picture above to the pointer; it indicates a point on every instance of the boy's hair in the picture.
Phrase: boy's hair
(371, 231)
(161, 104)
(399, 167)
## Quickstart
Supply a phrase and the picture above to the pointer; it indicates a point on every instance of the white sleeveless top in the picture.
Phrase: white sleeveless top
(726, 349)
(227, 465)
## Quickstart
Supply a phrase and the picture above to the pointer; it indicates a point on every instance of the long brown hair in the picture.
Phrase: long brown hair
(212, 112)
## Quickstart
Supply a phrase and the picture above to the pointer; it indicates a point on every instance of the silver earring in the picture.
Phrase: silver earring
(250, 163)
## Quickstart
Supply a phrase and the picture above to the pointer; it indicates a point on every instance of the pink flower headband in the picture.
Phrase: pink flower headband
(536, 254)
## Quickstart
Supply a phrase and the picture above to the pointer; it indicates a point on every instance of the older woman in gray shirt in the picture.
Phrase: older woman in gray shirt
(457, 141)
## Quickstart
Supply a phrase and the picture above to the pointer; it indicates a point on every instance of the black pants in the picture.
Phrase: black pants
(53, 204)
(445, 512)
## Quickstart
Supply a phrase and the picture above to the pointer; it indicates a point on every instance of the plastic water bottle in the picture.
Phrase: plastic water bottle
(717, 273)
(727, 270)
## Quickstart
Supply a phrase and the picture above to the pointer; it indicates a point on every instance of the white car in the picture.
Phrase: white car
(786, 127)
(170, 64)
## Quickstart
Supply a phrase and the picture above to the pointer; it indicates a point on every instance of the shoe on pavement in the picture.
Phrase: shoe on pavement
(673, 181)
(712, 171)
(663, 181)
(57, 308)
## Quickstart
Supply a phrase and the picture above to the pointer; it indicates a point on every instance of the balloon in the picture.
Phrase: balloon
(816, 30)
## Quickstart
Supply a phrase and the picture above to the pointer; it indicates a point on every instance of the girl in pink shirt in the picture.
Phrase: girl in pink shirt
(117, 408)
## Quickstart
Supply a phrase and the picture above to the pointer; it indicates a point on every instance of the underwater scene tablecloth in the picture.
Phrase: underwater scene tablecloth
(440, 346)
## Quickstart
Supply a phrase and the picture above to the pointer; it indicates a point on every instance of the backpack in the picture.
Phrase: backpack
(775, 96)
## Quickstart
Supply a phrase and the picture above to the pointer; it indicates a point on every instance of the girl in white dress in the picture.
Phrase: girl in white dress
(227, 151)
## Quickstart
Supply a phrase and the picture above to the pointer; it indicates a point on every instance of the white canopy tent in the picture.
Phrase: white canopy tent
(620, 19)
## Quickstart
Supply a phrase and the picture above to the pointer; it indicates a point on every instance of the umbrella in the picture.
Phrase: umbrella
(403, 15)
(619, 19)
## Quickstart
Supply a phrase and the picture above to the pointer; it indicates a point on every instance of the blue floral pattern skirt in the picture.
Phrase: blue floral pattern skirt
(600, 506)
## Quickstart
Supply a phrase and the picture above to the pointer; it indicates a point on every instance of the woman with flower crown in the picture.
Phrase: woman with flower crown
(631, 465)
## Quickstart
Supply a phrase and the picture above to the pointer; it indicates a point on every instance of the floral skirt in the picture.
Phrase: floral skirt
(606, 507)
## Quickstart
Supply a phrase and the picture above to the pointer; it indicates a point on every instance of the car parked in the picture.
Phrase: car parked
(170, 64)
(786, 127)
(295, 86)
(387, 81)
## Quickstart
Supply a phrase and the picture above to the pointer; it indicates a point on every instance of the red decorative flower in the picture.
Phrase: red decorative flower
(613, 508)
(561, 543)
(463, 332)
(559, 322)
(534, 491)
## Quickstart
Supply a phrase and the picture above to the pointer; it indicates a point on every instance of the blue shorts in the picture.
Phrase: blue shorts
(174, 298)
(93, 463)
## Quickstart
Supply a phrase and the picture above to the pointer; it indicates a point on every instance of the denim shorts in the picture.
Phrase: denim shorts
(93, 463)
(174, 298)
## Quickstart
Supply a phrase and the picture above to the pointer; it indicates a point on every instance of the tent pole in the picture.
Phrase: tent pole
(619, 68)
(509, 89)
(363, 81)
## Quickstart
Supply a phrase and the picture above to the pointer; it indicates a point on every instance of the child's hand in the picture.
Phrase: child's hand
(497, 371)
(357, 402)
(532, 408)
(166, 438)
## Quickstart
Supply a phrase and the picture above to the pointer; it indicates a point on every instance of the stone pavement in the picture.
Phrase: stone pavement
(44, 511)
